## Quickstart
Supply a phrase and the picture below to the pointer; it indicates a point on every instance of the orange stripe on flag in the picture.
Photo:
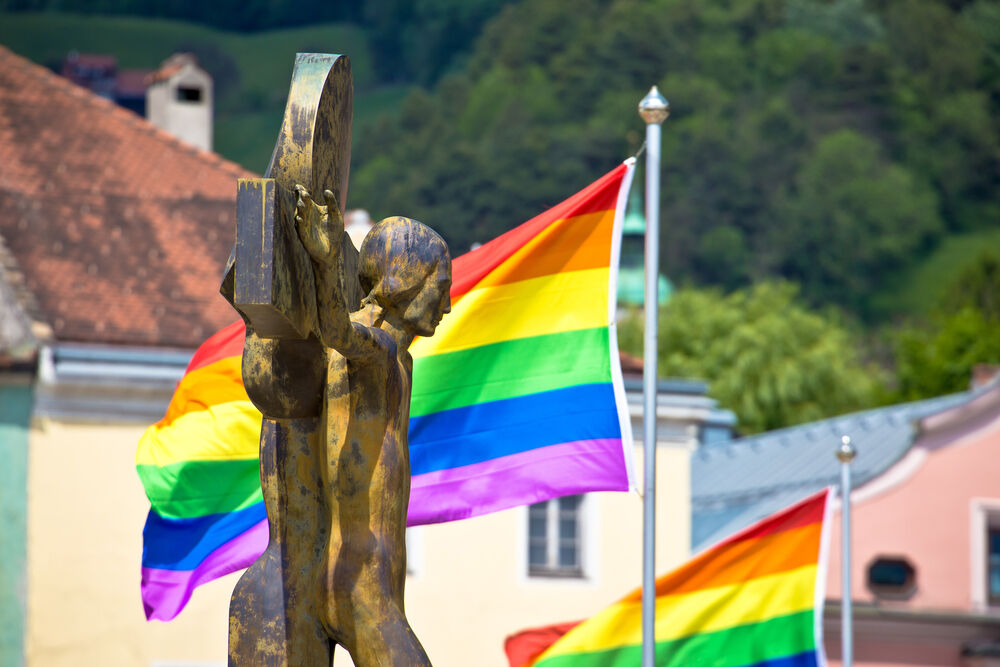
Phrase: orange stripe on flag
(574, 244)
(217, 383)
(745, 560)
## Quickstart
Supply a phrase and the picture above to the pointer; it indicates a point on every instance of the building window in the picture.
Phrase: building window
(993, 566)
(188, 94)
(555, 538)
(892, 577)
(414, 551)
(984, 553)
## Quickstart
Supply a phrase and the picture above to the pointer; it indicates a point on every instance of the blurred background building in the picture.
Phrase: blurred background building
(112, 233)
(849, 149)
(176, 97)
(925, 566)
(114, 237)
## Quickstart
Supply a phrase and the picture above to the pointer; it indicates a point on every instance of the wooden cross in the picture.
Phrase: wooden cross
(274, 285)
(269, 280)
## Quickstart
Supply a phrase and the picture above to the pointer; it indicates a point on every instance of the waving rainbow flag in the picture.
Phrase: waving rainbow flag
(517, 398)
(753, 600)
(199, 467)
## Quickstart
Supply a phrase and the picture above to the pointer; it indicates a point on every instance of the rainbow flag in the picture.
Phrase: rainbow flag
(199, 467)
(754, 600)
(517, 398)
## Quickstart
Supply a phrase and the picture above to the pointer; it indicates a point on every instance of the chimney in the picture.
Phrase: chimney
(179, 100)
(983, 374)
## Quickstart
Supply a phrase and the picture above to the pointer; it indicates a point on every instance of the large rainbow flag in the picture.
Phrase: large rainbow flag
(754, 600)
(517, 398)
(199, 466)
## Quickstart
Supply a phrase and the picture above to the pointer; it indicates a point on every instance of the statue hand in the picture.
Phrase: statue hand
(320, 226)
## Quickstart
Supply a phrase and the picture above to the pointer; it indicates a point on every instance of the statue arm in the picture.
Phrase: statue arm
(321, 230)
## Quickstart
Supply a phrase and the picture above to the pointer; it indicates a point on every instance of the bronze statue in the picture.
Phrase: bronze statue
(332, 377)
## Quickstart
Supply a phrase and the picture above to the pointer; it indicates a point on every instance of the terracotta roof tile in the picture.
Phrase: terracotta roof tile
(132, 81)
(171, 66)
(120, 230)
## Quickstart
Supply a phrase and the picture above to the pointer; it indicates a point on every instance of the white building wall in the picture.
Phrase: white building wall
(86, 509)
(471, 587)
(469, 591)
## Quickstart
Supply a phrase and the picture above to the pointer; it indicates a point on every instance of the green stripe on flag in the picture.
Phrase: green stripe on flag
(734, 647)
(510, 369)
(198, 488)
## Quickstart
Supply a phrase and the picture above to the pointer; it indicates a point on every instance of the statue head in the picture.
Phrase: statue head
(405, 267)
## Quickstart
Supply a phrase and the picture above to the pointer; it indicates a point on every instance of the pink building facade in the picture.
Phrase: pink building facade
(925, 567)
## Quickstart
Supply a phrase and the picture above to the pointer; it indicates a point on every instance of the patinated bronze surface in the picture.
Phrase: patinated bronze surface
(331, 374)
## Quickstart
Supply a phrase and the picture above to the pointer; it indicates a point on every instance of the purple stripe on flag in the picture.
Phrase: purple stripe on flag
(165, 592)
(517, 479)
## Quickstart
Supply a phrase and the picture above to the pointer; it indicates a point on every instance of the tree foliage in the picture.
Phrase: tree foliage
(938, 357)
(860, 218)
(765, 355)
(832, 144)
(412, 40)
(227, 14)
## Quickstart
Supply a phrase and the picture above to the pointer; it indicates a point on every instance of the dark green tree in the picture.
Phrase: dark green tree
(765, 355)
(938, 357)
(850, 217)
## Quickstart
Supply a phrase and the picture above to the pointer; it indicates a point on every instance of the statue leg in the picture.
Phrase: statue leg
(261, 633)
(272, 613)
(369, 616)
(387, 639)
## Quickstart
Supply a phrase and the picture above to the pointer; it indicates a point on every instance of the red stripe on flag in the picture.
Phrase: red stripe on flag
(801, 514)
(227, 342)
(523, 647)
(470, 268)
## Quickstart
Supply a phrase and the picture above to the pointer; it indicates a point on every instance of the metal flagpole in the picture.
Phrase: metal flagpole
(653, 109)
(845, 454)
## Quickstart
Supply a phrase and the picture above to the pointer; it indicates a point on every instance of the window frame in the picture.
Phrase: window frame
(884, 592)
(189, 93)
(984, 516)
(554, 542)
(992, 528)
(414, 543)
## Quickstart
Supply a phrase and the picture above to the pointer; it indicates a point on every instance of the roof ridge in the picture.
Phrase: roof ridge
(710, 500)
(749, 440)
(107, 106)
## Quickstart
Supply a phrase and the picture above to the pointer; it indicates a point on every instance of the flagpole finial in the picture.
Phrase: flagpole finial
(654, 108)
(846, 452)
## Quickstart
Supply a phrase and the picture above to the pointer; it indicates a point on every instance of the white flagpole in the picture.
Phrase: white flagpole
(653, 109)
(845, 454)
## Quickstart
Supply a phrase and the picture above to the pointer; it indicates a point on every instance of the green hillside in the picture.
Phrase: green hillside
(847, 152)
(832, 144)
(251, 70)
(920, 290)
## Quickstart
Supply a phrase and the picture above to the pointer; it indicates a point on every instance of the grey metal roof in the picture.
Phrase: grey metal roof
(736, 483)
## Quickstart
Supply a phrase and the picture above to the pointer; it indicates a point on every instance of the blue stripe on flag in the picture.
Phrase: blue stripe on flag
(181, 544)
(478, 433)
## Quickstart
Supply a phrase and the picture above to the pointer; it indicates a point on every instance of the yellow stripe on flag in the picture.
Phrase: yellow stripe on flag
(535, 307)
(217, 433)
(702, 611)
(571, 244)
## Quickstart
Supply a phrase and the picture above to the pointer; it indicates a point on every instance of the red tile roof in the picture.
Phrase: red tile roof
(171, 66)
(121, 231)
(132, 82)
(102, 60)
